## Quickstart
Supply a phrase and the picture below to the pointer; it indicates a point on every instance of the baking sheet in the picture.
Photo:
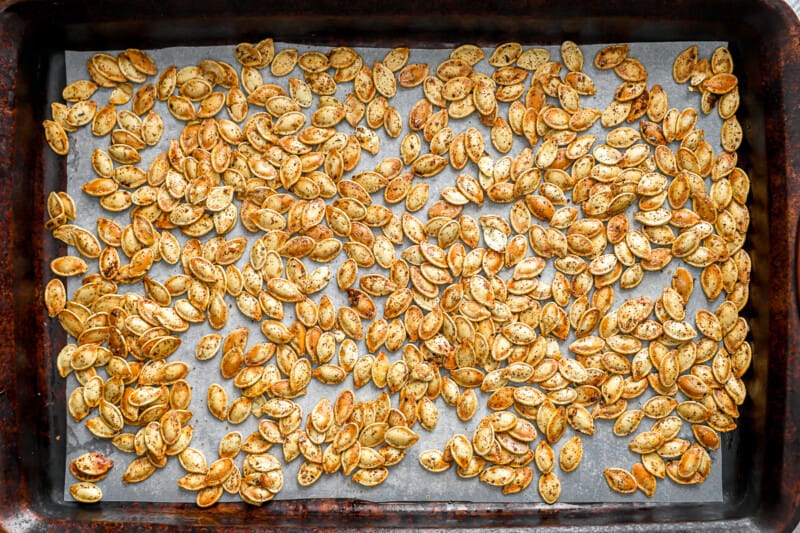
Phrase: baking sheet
(407, 481)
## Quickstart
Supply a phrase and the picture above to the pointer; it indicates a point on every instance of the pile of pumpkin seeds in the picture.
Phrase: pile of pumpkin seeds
(451, 326)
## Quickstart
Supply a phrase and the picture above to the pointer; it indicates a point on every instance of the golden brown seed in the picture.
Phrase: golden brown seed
(684, 64)
(570, 455)
(91, 467)
(549, 488)
(86, 492)
(433, 461)
(620, 480)
(645, 480)
(56, 137)
(452, 300)
(371, 477)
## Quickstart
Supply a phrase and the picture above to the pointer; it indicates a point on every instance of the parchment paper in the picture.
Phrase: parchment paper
(407, 481)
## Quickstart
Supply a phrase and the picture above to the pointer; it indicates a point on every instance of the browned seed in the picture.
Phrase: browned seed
(448, 298)
(620, 480)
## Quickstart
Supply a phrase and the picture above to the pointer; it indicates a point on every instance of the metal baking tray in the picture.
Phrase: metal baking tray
(761, 470)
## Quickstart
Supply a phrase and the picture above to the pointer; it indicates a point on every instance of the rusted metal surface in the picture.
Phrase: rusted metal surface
(762, 477)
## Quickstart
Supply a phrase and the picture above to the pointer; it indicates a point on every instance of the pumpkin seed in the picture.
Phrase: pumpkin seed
(620, 480)
(549, 488)
(448, 298)
(86, 492)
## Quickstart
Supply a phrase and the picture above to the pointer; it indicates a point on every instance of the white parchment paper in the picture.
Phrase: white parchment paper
(407, 481)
